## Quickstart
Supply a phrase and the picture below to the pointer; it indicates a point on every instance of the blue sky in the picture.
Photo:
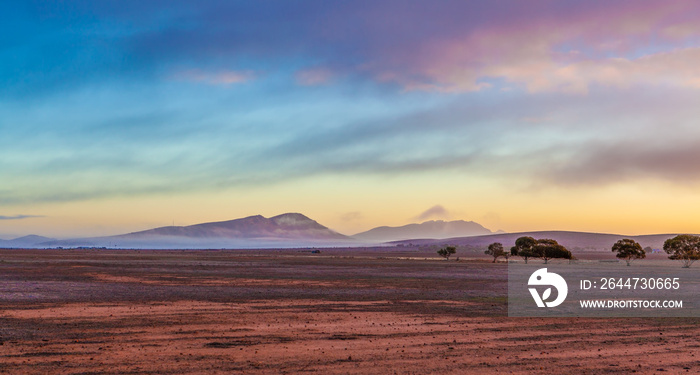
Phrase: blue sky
(335, 109)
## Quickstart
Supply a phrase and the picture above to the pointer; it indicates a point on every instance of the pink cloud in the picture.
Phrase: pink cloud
(227, 77)
(313, 76)
(563, 53)
(682, 30)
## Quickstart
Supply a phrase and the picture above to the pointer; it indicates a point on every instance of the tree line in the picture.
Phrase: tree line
(684, 248)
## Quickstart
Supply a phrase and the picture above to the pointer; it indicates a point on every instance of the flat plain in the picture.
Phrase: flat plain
(372, 311)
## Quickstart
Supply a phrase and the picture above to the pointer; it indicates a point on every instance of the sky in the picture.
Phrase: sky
(117, 116)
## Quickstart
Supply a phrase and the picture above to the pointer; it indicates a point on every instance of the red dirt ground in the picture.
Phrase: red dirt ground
(287, 311)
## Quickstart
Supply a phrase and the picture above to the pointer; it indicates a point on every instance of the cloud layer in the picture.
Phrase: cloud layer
(117, 99)
(18, 217)
(435, 212)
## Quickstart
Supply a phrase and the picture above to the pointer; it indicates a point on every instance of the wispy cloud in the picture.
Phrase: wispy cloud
(229, 77)
(19, 217)
(449, 46)
(557, 52)
(313, 76)
(144, 137)
(599, 164)
(435, 212)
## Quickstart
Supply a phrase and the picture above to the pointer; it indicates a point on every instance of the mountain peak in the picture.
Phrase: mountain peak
(285, 226)
(291, 215)
(292, 219)
(427, 229)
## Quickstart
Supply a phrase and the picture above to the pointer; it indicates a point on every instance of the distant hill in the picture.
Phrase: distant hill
(433, 229)
(286, 230)
(291, 225)
(24, 242)
(571, 240)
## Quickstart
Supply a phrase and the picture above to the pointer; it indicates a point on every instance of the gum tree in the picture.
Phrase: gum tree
(628, 250)
(528, 247)
(684, 247)
(445, 252)
(523, 248)
(550, 249)
(496, 251)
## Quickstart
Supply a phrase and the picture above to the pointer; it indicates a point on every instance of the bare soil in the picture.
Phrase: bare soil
(372, 311)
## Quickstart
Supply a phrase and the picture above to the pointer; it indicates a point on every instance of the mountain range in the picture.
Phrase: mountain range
(292, 230)
(286, 230)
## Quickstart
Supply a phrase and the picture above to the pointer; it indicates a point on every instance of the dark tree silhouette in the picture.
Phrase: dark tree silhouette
(445, 252)
(496, 251)
(528, 247)
(549, 249)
